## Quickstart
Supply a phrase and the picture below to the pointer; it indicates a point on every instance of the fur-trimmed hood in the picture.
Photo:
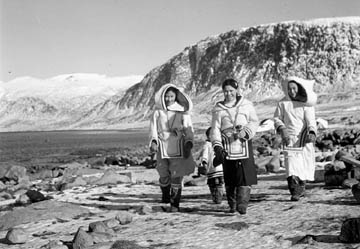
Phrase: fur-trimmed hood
(307, 86)
(240, 100)
(182, 99)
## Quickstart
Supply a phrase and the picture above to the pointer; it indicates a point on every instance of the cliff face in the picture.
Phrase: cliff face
(327, 50)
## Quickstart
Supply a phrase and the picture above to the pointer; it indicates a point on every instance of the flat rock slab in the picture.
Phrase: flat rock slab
(44, 210)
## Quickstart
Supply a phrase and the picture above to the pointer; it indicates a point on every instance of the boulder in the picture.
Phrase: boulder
(53, 244)
(124, 217)
(13, 172)
(43, 210)
(334, 177)
(355, 189)
(111, 177)
(144, 210)
(23, 200)
(112, 160)
(348, 183)
(97, 226)
(71, 183)
(2, 186)
(17, 236)
(5, 196)
(101, 237)
(82, 239)
(111, 223)
(350, 231)
(35, 195)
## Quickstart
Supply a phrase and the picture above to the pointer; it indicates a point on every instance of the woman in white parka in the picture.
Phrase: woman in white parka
(171, 136)
(294, 120)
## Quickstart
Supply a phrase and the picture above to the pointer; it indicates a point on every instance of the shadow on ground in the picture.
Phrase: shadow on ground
(313, 239)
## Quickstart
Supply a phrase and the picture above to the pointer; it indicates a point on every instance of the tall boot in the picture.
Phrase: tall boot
(165, 194)
(296, 187)
(291, 185)
(302, 188)
(219, 192)
(216, 194)
(242, 198)
(213, 192)
(175, 195)
(230, 195)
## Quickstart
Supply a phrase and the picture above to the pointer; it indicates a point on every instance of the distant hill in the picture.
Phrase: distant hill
(327, 50)
(28, 103)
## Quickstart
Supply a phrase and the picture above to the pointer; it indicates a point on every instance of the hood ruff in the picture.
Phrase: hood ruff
(181, 98)
(221, 106)
(307, 85)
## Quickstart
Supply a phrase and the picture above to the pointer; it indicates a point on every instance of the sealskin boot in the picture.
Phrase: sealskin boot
(230, 195)
(296, 188)
(175, 195)
(217, 194)
(165, 194)
(242, 198)
(302, 188)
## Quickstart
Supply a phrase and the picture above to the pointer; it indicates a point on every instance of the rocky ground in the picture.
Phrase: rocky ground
(273, 221)
(89, 205)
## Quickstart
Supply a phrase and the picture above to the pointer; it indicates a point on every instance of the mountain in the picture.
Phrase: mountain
(56, 103)
(327, 50)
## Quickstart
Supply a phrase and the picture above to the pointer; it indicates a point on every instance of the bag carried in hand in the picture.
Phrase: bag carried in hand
(172, 146)
(234, 147)
(294, 161)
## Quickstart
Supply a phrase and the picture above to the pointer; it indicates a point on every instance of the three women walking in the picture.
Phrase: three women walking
(233, 126)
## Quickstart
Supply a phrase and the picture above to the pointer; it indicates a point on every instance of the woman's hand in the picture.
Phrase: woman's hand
(219, 155)
(311, 137)
(153, 147)
(240, 133)
(285, 136)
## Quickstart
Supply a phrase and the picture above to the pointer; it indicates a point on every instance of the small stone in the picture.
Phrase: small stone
(99, 237)
(348, 183)
(110, 223)
(23, 199)
(97, 226)
(35, 196)
(124, 218)
(17, 236)
(145, 209)
(355, 189)
(350, 231)
(54, 245)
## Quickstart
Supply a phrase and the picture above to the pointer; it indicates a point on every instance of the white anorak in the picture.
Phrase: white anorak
(299, 119)
(225, 119)
(171, 127)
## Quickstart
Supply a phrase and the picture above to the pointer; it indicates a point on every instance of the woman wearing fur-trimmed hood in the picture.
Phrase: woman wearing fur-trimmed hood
(171, 137)
(294, 120)
(234, 124)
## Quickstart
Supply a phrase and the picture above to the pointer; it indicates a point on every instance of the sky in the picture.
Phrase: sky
(46, 38)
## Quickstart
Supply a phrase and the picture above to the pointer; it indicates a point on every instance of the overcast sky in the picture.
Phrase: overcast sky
(45, 38)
